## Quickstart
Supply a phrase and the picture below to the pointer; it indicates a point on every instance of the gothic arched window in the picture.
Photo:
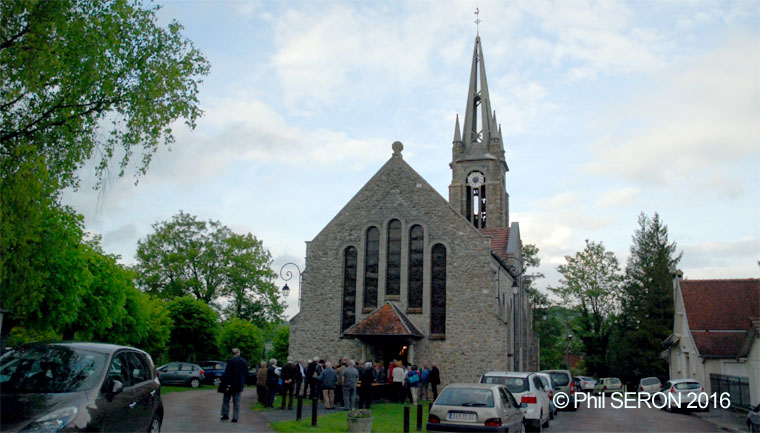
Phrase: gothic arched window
(416, 247)
(371, 264)
(393, 272)
(438, 290)
(349, 288)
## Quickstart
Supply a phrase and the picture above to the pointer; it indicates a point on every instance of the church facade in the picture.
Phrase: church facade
(402, 273)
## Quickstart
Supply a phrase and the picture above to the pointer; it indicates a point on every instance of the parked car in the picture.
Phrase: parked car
(79, 387)
(213, 371)
(587, 383)
(528, 390)
(608, 385)
(549, 387)
(563, 384)
(753, 420)
(649, 385)
(475, 407)
(181, 373)
(685, 392)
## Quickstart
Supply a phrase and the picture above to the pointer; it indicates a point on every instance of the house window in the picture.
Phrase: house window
(371, 263)
(438, 291)
(349, 288)
(393, 272)
(416, 247)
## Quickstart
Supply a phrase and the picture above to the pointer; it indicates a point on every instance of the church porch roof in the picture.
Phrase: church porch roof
(386, 321)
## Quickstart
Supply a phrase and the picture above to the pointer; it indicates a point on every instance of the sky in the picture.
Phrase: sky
(608, 109)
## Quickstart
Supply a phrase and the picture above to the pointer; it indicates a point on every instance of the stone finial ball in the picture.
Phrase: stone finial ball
(397, 147)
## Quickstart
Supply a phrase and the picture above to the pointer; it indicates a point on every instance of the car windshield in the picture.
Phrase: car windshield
(687, 385)
(50, 369)
(514, 384)
(650, 381)
(560, 379)
(466, 397)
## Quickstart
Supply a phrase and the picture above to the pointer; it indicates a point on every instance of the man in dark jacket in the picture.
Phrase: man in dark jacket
(312, 372)
(233, 382)
(289, 375)
(434, 378)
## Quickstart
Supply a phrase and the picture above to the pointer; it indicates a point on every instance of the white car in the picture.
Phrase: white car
(528, 390)
(464, 407)
(587, 383)
(609, 385)
(549, 388)
(683, 394)
(649, 385)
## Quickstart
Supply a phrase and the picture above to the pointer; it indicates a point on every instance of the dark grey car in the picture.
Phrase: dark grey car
(79, 387)
(181, 373)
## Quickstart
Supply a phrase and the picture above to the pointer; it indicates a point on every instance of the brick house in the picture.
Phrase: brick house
(716, 336)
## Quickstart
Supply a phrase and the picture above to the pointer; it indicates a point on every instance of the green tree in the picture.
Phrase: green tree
(590, 284)
(207, 260)
(244, 335)
(194, 329)
(82, 80)
(648, 299)
(103, 298)
(91, 78)
(280, 342)
(43, 265)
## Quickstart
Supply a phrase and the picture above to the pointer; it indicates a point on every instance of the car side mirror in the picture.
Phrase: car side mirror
(114, 387)
(523, 405)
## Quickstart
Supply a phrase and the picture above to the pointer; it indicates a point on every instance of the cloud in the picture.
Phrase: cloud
(703, 118)
(619, 197)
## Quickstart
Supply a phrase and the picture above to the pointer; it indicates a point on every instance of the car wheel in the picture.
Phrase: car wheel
(546, 424)
(195, 382)
(155, 424)
(217, 381)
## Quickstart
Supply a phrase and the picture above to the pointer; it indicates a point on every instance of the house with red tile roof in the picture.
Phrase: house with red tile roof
(716, 336)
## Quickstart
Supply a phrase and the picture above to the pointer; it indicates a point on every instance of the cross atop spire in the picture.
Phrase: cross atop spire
(477, 21)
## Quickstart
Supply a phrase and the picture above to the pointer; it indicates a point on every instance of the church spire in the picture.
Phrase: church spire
(478, 183)
(480, 125)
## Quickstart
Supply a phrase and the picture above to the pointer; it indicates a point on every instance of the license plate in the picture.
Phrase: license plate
(462, 416)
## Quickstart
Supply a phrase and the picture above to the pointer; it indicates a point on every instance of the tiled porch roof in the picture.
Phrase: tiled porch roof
(385, 321)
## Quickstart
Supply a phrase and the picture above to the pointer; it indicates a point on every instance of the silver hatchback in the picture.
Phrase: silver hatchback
(475, 407)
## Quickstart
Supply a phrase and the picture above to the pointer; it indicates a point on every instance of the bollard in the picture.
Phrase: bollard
(419, 417)
(299, 408)
(406, 419)
(314, 404)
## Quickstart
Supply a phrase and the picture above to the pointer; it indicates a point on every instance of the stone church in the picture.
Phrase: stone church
(402, 273)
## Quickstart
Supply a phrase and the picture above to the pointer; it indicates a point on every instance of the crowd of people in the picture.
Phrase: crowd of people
(346, 384)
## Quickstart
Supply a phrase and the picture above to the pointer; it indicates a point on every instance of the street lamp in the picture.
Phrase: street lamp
(287, 276)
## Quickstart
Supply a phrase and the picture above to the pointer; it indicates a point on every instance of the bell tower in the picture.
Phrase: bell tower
(478, 166)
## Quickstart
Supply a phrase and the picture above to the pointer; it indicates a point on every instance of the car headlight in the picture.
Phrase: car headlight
(52, 422)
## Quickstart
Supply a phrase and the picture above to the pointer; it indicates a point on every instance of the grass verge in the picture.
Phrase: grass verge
(388, 417)
(168, 389)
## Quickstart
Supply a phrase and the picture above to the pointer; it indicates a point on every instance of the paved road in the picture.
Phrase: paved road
(608, 419)
(198, 411)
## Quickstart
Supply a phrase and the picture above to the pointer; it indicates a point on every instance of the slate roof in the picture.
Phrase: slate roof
(499, 240)
(720, 313)
(385, 321)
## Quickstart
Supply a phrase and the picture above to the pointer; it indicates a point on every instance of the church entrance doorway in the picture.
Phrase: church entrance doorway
(388, 349)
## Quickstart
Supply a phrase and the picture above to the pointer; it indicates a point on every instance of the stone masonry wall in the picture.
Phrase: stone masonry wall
(476, 338)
